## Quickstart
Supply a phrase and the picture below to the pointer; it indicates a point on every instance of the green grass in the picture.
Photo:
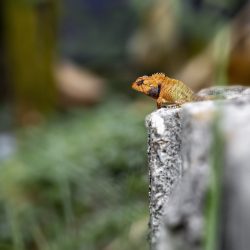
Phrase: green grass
(78, 181)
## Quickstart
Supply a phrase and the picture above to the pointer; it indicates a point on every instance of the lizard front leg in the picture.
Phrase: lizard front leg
(163, 102)
(160, 102)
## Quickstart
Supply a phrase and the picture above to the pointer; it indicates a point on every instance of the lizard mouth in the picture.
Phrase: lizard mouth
(137, 83)
(139, 87)
(136, 86)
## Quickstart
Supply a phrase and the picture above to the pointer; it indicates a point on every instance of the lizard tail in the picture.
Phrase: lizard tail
(198, 98)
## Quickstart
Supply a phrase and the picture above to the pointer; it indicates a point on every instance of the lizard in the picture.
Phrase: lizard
(167, 91)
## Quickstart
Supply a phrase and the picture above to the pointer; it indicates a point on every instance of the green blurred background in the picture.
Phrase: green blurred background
(72, 136)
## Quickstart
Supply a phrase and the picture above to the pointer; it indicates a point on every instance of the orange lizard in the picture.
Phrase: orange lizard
(165, 90)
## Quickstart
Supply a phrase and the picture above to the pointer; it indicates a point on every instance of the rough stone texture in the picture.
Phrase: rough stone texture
(164, 162)
(180, 142)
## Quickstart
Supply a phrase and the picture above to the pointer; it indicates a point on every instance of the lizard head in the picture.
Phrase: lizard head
(149, 85)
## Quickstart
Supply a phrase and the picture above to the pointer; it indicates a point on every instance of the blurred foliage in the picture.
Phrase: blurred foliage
(78, 182)
(212, 16)
(95, 33)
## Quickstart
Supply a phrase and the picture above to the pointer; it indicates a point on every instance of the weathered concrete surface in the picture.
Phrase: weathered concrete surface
(180, 142)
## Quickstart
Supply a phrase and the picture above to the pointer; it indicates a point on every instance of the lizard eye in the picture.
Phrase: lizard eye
(140, 82)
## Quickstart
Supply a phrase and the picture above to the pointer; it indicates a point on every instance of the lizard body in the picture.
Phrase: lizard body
(165, 90)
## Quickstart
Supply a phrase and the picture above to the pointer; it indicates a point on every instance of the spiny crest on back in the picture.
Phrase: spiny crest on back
(158, 78)
(161, 77)
(158, 75)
